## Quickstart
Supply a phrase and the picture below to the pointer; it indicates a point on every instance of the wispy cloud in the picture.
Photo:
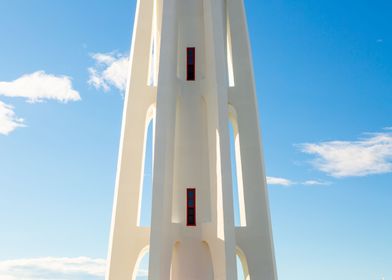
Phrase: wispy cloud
(287, 182)
(49, 268)
(53, 268)
(279, 181)
(316, 183)
(40, 86)
(371, 154)
(110, 70)
(8, 119)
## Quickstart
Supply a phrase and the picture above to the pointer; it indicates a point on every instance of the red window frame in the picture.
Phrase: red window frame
(191, 64)
(188, 207)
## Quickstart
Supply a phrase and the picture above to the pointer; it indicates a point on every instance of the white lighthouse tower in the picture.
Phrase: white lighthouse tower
(191, 73)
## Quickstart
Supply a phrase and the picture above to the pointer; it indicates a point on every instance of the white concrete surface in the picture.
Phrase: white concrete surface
(191, 148)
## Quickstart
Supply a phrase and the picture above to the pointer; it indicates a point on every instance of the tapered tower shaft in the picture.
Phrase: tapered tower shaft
(191, 73)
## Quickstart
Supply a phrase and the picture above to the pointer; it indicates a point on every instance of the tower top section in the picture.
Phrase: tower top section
(216, 30)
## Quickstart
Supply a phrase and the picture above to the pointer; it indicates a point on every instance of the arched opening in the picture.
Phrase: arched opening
(242, 266)
(191, 261)
(236, 168)
(240, 270)
(140, 271)
(236, 207)
(145, 194)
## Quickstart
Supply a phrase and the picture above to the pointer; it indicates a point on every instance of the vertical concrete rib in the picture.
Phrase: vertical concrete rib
(124, 251)
(256, 239)
(223, 243)
(161, 243)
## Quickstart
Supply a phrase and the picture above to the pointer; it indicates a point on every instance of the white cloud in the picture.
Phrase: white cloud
(279, 181)
(8, 120)
(316, 183)
(34, 87)
(371, 154)
(287, 182)
(110, 70)
(53, 268)
(39, 86)
(49, 268)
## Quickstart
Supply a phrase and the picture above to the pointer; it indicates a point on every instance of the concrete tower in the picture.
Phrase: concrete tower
(191, 72)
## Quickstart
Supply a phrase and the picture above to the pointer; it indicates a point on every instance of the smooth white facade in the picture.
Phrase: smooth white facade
(191, 148)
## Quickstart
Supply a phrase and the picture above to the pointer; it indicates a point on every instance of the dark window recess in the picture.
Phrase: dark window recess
(191, 207)
(190, 64)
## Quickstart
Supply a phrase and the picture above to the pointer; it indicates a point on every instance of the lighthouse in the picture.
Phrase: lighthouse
(191, 74)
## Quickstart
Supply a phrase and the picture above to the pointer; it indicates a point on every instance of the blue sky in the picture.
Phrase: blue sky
(324, 81)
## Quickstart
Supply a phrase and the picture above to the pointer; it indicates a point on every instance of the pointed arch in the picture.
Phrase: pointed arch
(141, 266)
(145, 193)
(243, 263)
(201, 265)
(238, 186)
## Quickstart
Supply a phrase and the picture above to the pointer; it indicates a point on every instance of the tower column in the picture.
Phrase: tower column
(255, 240)
(221, 238)
(162, 240)
(123, 250)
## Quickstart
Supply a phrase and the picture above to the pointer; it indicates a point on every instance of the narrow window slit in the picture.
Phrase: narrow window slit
(190, 64)
(191, 207)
